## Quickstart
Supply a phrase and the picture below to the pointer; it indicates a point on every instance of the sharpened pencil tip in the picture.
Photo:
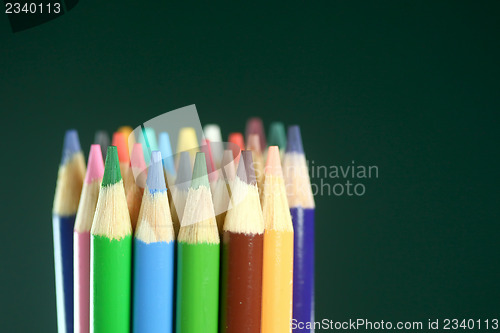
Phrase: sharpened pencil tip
(205, 148)
(212, 132)
(95, 167)
(128, 133)
(121, 146)
(149, 143)
(237, 139)
(112, 173)
(102, 138)
(200, 176)
(277, 135)
(137, 157)
(71, 145)
(156, 179)
(255, 126)
(184, 172)
(294, 140)
(249, 167)
(254, 143)
(187, 139)
(227, 165)
(166, 153)
(273, 163)
(241, 173)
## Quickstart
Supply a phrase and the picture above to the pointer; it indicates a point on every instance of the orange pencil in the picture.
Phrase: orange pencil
(277, 275)
(128, 133)
(123, 156)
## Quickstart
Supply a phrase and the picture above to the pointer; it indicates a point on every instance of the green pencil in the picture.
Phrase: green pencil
(198, 258)
(111, 254)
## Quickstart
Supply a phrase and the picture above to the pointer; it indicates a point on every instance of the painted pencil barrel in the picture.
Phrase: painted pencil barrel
(153, 287)
(63, 260)
(277, 283)
(111, 284)
(197, 288)
(241, 283)
(82, 281)
(303, 266)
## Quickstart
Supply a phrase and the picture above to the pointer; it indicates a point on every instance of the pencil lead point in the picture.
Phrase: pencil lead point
(200, 176)
(112, 173)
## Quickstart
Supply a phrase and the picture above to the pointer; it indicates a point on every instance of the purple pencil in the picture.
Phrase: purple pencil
(301, 202)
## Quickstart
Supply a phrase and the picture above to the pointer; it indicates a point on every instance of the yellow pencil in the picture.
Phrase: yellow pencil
(277, 275)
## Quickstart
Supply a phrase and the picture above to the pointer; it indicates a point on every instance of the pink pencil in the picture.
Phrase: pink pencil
(81, 239)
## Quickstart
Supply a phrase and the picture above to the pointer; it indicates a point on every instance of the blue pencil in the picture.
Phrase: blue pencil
(154, 256)
(68, 189)
(301, 202)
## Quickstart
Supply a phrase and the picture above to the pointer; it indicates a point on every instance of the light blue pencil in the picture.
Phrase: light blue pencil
(154, 256)
(168, 157)
(147, 138)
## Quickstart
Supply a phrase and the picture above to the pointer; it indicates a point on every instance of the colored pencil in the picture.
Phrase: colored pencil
(213, 135)
(154, 256)
(218, 188)
(67, 196)
(101, 138)
(227, 174)
(135, 188)
(277, 275)
(188, 141)
(212, 132)
(111, 253)
(301, 202)
(180, 189)
(242, 255)
(205, 148)
(124, 158)
(220, 195)
(277, 136)
(128, 132)
(255, 126)
(168, 167)
(147, 137)
(198, 258)
(258, 160)
(228, 167)
(81, 239)
(237, 140)
(168, 157)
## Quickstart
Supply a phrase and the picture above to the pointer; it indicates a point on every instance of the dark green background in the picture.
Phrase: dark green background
(409, 86)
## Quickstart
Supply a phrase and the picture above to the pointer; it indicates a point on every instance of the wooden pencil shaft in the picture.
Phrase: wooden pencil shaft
(197, 288)
(242, 282)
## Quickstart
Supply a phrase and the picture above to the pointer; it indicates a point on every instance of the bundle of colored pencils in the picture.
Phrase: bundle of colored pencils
(213, 238)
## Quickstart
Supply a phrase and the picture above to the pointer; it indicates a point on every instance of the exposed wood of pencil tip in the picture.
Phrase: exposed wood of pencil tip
(69, 185)
(198, 223)
(155, 222)
(274, 202)
(86, 208)
(111, 217)
(245, 215)
(298, 183)
(295, 172)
